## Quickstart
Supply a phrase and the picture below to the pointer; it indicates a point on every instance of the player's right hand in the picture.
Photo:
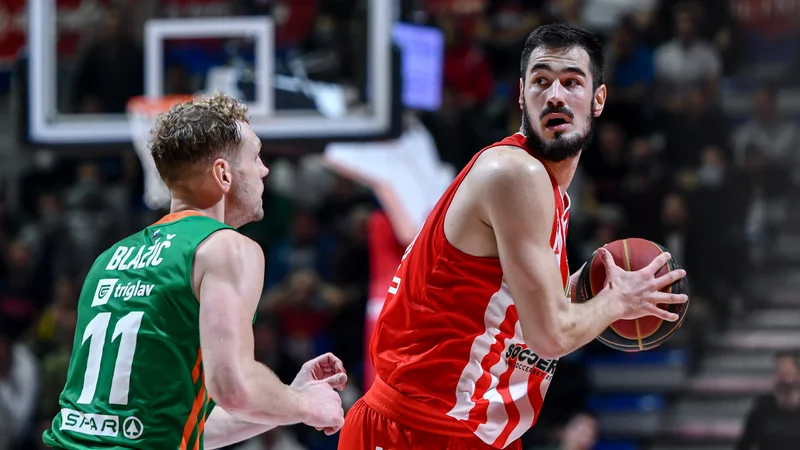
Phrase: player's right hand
(325, 412)
(639, 292)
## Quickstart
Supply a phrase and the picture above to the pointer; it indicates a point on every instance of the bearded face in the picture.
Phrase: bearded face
(559, 104)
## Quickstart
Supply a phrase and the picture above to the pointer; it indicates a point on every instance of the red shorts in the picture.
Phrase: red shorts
(384, 419)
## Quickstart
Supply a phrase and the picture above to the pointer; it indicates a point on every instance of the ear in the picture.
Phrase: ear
(521, 94)
(600, 95)
(222, 173)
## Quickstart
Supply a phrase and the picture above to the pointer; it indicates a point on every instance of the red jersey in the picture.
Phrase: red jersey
(449, 336)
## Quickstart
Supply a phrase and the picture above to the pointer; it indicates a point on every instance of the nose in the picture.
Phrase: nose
(264, 170)
(555, 95)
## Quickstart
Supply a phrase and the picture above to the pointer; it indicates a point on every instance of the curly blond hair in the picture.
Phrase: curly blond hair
(196, 131)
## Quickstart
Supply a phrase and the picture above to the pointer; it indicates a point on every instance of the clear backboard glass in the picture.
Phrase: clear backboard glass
(307, 68)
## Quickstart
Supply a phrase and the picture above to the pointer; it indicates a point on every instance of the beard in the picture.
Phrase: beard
(561, 147)
(247, 202)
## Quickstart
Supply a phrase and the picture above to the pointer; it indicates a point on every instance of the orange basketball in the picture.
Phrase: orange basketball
(639, 334)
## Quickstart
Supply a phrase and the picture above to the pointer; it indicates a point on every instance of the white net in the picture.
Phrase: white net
(142, 116)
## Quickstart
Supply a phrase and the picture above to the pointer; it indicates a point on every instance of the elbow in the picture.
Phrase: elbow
(227, 390)
(550, 342)
(552, 348)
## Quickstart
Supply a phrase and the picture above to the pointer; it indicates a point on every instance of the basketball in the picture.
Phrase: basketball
(641, 334)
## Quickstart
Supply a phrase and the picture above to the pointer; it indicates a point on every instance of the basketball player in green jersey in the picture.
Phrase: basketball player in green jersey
(163, 351)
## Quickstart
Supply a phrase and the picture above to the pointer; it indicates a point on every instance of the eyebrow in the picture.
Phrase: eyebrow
(569, 69)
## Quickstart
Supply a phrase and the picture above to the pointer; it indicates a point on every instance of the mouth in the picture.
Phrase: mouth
(557, 121)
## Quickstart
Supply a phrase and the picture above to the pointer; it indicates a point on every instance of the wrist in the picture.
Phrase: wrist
(614, 304)
(304, 406)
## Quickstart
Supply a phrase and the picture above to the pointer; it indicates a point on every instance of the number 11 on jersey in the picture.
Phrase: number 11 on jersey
(127, 330)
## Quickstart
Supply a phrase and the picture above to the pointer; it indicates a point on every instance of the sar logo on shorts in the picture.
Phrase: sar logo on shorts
(105, 288)
(132, 428)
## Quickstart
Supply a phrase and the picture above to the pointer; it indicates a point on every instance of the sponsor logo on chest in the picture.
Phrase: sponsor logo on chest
(522, 358)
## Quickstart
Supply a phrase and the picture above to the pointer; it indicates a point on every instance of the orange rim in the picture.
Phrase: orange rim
(144, 105)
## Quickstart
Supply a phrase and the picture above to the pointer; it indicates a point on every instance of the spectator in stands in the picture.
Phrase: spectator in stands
(580, 433)
(22, 290)
(719, 202)
(675, 233)
(298, 287)
(276, 439)
(508, 24)
(18, 387)
(686, 62)
(717, 26)
(629, 69)
(112, 69)
(767, 132)
(269, 348)
(699, 124)
(468, 86)
(773, 420)
(643, 189)
(307, 248)
(606, 162)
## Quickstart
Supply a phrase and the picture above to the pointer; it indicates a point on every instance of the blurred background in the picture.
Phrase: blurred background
(367, 109)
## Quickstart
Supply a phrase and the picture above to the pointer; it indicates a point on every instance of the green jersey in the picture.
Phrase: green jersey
(135, 377)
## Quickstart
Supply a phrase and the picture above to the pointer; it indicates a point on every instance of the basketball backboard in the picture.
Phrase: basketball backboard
(307, 68)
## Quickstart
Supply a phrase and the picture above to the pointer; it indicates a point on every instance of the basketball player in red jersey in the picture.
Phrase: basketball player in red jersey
(478, 313)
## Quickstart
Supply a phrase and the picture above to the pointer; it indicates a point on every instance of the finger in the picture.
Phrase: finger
(332, 361)
(662, 313)
(328, 365)
(665, 298)
(338, 364)
(607, 260)
(657, 263)
(338, 381)
(669, 278)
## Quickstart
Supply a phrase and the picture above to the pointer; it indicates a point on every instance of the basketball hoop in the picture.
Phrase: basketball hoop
(143, 113)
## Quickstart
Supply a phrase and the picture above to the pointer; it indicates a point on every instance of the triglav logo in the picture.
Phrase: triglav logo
(109, 288)
(105, 288)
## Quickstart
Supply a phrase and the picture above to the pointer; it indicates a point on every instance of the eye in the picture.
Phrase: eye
(572, 82)
(540, 81)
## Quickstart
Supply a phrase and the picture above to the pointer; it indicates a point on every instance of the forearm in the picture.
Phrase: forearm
(580, 323)
(223, 429)
(264, 399)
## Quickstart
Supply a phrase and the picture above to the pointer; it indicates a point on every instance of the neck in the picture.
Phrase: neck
(215, 211)
(563, 171)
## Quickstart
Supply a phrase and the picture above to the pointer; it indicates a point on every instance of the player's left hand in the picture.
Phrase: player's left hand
(320, 368)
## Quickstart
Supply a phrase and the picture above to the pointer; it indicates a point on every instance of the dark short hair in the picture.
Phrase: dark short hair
(196, 131)
(561, 36)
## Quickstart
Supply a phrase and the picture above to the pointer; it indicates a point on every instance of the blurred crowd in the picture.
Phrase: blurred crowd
(669, 163)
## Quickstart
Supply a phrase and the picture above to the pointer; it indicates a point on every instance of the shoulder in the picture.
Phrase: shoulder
(509, 185)
(228, 248)
(507, 167)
